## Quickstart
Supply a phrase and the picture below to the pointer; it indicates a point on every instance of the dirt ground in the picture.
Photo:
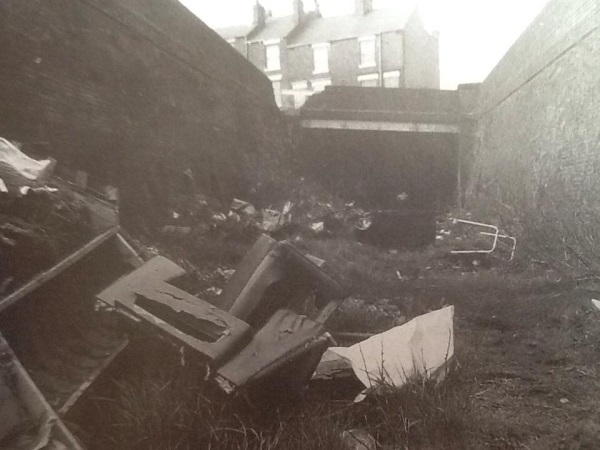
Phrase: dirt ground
(526, 340)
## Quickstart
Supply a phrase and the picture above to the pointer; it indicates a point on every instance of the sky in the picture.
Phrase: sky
(474, 34)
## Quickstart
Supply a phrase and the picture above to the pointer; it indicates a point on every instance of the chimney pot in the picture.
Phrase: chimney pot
(363, 7)
(298, 11)
(260, 15)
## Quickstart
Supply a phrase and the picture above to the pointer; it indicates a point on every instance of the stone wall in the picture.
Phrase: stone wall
(135, 92)
(537, 156)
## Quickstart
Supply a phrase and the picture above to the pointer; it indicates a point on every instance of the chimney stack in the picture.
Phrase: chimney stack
(260, 15)
(298, 11)
(363, 7)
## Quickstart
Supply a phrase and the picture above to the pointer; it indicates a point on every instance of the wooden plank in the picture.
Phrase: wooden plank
(145, 294)
(365, 125)
(285, 337)
(158, 268)
(128, 252)
(187, 319)
(90, 379)
(244, 271)
(326, 312)
(63, 265)
(33, 400)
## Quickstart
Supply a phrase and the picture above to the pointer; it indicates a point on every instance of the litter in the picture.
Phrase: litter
(172, 230)
(146, 294)
(493, 232)
(242, 207)
(23, 408)
(358, 440)
(318, 227)
(268, 319)
(421, 347)
(18, 170)
(271, 220)
(214, 291)
(286, 336)
(596, 303)
(226, 273)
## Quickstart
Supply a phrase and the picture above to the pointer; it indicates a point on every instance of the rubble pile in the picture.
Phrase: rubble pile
(35, 232)
(199, 216)
(39, 224)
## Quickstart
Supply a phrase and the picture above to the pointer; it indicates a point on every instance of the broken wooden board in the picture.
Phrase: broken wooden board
(189, 320)
(158, 268)
(186, 319)
(75, 396)
(269, 271)
(128, 252)
(286, 337)
(23, 405)
(57, 269)
(244, 271)
(278, 265)
(103, 214)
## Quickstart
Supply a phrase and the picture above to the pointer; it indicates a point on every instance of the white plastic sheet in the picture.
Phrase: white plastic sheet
(18, 170)
(420, 347)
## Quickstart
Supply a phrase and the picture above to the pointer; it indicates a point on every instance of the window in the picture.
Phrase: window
(273, 57)
(321, 58)
(367, 51)
(319, 85)
(391, 79)
(370, 80)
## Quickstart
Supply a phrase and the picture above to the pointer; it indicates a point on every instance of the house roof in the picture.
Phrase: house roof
(316, 29)
(235, 31)
(329, 29)
(275, 28)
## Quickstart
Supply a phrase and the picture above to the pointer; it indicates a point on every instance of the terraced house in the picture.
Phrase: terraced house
(305, 52)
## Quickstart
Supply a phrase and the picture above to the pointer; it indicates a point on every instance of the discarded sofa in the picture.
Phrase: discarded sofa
(270, 314)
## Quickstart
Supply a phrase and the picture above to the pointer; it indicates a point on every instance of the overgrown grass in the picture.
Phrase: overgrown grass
(176, 411)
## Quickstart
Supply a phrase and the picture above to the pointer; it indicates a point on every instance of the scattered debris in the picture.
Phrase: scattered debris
(251, 334)
(40, 229)
(285, 337)
(226, 273)
(318, 227)
(18, 170)
(172, 230)
(27, 421)
(596, 303)
(214, 291)
(494, 233)
(273, 220)
(422, 347)
(358, 440)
